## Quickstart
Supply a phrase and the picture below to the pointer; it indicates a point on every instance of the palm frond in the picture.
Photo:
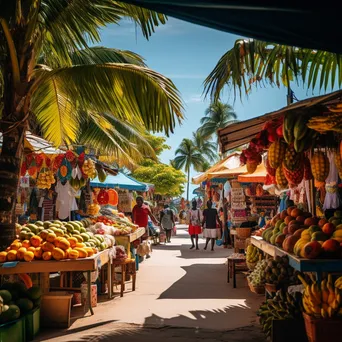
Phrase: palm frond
(130, 92)
(55, 112)
(256, 62)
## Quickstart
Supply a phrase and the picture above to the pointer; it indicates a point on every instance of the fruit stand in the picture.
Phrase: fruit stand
(301, 247)
(88, 265)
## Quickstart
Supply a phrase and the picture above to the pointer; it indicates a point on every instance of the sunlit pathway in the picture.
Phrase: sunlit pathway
(176, 288)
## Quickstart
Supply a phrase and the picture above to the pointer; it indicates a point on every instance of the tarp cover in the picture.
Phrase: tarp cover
(120, 181)
(315, 25)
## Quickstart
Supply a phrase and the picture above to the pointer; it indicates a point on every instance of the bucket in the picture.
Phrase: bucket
(93, 295)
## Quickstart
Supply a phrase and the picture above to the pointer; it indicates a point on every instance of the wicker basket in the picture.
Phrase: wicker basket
(256, 289)
(243, 233)
(251, 265)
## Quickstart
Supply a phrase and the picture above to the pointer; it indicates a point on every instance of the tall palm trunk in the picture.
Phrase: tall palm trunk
(10, 162)
(188, 187)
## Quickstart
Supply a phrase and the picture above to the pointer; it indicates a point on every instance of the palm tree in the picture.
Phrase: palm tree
(49, 75)
(256, 62)
(205, 146)
(217, 115)
(187, 156)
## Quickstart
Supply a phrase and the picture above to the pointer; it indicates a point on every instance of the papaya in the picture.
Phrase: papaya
(81, 251)
(48, 247)
(73, 254)
(20, 253)
(3, 256)
(58, 254)
(28, 256)
(51, 237)
(101, 174)
(36, 241)
(38, 253)
(26, 244)
(47, 256)
(15, 246)
(72, 241)
(12, 255)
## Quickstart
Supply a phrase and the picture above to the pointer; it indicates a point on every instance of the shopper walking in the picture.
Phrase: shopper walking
(194, 217)
(167, 221)
(140, 215)
(210, 222)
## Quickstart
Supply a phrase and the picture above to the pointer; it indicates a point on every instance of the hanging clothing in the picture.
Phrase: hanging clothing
(331, 200)
(66, 201)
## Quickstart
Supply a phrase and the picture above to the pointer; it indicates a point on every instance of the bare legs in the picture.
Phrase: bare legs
(212, 243)
(193, 238)
(168, 235)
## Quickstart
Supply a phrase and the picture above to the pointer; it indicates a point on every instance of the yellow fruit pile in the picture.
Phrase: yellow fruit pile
(93, 209)
(322, 300)
(47, 245)
(89, 168)
(45, 179)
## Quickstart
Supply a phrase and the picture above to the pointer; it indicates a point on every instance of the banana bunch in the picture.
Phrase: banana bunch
(252, 254)
(329, 122)
(45, 179)
(93, 209)
(297, 132)
(321, 300)
(89, 168)
(283, 306)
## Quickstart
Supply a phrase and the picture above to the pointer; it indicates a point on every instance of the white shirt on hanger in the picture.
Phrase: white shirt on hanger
(66, 201)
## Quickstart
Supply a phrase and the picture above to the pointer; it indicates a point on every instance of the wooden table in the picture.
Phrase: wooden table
(232, 260)
(69, 265)
(125, 240)
(300, 264)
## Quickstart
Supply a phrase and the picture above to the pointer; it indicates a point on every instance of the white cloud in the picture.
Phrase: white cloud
(196, 98)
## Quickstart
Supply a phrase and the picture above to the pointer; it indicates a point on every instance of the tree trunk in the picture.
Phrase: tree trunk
(10, 164)
(187, 196)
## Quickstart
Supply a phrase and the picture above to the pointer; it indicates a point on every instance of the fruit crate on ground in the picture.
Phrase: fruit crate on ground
(13, 331)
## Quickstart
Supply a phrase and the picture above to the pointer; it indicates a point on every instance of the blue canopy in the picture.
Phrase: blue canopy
(120, 181)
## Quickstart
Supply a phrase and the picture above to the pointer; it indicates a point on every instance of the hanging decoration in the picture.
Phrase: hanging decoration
(113, 197)
(102, 197)
(64, 171)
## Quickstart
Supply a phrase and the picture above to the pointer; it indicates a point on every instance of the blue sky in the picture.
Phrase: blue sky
(187, 53)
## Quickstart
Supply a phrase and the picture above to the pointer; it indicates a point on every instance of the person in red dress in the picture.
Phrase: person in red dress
(194, 224)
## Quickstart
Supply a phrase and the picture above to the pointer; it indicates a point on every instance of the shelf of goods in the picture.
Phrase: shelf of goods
(88, 265)
(264, 202)
(300, 264)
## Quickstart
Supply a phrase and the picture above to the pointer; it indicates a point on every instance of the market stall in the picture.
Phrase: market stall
(296, 258)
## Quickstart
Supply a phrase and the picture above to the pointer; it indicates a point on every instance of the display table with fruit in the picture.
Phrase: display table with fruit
(87, 264)
(125, 240)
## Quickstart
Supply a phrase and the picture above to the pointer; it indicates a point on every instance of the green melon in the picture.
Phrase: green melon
(6, 296)
(25, 305)
(34, 292)
(12, 313)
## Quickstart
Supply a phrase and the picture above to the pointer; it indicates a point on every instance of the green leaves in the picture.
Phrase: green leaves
(255, 62)
(217, 115)
(187, 156)
(166, 179)
(129, 92)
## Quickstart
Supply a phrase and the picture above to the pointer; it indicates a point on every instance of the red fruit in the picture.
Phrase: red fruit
(288, 219)
(280, 131)
(293, 228)
(296, 212)
(328, 228)
(312, 250)
(322, 222)
(283, 214)
(311, 221)
(331, 248)
(289, 210)
(300, 219)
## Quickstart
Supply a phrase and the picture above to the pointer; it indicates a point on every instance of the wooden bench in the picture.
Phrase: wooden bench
(236, 263)
(128, 267)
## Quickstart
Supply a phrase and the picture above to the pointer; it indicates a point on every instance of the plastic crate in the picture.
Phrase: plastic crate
(32, 323)
(13, 331)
